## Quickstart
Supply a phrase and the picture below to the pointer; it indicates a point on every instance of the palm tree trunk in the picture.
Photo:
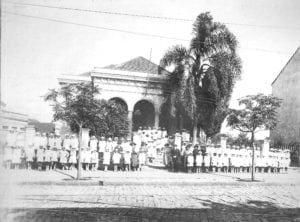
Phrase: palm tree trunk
(195, 133)
(79, 153)
(253, 156)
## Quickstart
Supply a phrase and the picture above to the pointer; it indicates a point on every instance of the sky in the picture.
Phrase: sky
(35, 52)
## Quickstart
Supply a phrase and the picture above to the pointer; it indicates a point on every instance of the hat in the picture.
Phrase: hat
(109, 139)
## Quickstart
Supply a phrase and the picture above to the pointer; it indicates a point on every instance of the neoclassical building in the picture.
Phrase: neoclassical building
(137, 84)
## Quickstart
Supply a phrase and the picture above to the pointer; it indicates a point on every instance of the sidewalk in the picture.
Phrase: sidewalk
(148, 176)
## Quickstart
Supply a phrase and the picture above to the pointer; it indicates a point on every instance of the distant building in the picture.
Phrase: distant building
(287, 87)
(12, 123)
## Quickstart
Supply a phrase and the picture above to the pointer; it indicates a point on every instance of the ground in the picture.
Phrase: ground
(150, 195)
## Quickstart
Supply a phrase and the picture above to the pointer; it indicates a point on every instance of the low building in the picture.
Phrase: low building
(12, 126)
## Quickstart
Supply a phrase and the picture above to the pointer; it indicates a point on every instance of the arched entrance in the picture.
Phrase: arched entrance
(143, 114)
(119, 101)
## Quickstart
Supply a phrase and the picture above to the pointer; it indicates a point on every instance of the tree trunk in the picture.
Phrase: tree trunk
(195, 133)
(253, 156)
(79, 154)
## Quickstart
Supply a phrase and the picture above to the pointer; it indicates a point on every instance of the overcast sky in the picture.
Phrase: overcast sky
(35, 52)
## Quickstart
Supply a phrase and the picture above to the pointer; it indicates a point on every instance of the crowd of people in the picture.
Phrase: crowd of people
(233, 159)
(49, 152)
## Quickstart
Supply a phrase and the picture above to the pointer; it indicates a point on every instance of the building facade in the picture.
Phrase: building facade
(137, 84)
(13, 127)
(286, 86)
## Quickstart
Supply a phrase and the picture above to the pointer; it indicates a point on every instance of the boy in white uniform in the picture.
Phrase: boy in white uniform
(54, 158)
(47, 160)
(63, 158)
(106, 158)
(16, 158)
(40, 158)
(116, 159)
(7, 156)
(94, 160)
(72, 158)
(29, 157)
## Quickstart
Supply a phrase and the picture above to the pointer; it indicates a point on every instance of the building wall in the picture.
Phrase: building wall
(14, 123)
(287, 87)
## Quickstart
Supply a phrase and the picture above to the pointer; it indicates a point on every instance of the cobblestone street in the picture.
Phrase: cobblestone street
(152, 195)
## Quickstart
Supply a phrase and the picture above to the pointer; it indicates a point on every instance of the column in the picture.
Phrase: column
(130, 124)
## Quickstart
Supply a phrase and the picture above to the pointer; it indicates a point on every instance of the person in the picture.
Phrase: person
(94, 160)
(74, 142)
(127, 156)
(93, 143)
(63, 158)
(40, 158)
(110, 145)
(88, 157)
(175, 155)
(44, 140)
(47, 160)
(190, 159)
(51, 140)
(199, 160)
(101, 149)
(84, 159)
(121, 152)
(29, 157)
(195, 153)
(7, 156)
(16, 158)
(142, 158)
(134, 161)
(58, 141)
(116, 159)
(106, 158)
(54, 158)
(207, 158)
(72, 158)
(67, 142)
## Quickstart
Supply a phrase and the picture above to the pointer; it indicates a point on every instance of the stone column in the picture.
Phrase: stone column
(130, 113)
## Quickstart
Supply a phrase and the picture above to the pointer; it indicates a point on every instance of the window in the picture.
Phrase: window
(5, 127)
(14, 128)
(22, 129)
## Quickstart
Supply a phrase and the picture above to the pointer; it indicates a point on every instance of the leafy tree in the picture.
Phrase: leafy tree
(258, 113)
(76, 105)
(203, 75)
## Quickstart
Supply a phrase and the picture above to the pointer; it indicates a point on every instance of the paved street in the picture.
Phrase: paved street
(151, 195)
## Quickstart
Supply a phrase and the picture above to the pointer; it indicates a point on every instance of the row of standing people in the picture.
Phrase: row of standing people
(193, 159)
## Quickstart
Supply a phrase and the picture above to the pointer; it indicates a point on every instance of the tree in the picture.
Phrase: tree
(203, 75)
(258, 113)
(76, 104)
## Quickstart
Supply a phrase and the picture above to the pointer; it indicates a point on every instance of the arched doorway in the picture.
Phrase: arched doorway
(143, 114)
(119, 101)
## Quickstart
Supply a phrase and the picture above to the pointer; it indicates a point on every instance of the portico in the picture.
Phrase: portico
(137, 84)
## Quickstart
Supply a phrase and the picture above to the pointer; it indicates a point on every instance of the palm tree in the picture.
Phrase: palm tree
(212, 43)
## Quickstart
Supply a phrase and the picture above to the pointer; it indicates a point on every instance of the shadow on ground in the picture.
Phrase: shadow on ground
(251, 211)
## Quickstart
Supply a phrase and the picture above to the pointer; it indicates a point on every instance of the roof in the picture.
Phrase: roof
(139, 64)
(42, 127)
(296, 54)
